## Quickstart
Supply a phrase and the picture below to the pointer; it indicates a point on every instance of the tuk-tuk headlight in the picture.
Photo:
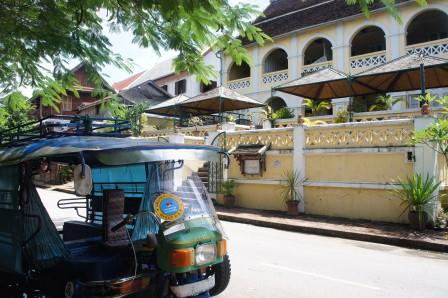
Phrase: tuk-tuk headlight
(205, 254)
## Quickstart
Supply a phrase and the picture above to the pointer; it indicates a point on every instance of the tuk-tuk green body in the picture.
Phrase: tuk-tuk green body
(148, 224)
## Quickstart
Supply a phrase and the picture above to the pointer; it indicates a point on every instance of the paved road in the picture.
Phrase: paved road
(272, 263)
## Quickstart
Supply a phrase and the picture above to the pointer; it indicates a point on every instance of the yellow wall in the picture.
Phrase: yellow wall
(358, 167)
(259, 196)
(370, 204)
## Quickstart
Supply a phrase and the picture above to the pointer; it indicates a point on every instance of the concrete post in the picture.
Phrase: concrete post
(299, 160)
(426, 160)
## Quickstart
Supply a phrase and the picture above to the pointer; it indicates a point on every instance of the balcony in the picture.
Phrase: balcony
(437, 47)
(316, 66)
(239, 84)
(362, 62)
(274, 77)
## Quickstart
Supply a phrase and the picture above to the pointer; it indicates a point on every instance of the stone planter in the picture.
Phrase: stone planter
(293, 209)
(417, 221)
(229, 201)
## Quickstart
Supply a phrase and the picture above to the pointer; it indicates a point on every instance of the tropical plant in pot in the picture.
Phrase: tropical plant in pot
(228, 188)
(289, 193)
(416, 193)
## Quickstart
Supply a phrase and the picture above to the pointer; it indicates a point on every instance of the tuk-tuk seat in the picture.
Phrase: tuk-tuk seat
(113, 209)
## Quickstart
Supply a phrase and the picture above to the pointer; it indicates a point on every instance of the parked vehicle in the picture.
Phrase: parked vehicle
(147, 225)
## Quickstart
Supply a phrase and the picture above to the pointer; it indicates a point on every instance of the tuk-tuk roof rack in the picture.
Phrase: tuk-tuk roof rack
(62, 126)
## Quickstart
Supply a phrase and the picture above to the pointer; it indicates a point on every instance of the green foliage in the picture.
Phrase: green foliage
(283, 113)
(231, 118)
(289, 190)
(228, 187)
(389, 4)
(268, 112)
(417, 192)
(15, 111)
(435, 136)
(341, 116)
(384, 102)
(316, 107)
(40, 37)
(134, 115)
(428, 98)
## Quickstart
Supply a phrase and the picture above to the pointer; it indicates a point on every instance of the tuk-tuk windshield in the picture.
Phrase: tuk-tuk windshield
(183, 198)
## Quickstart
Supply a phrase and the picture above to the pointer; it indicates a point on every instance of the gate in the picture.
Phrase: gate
(216, 169)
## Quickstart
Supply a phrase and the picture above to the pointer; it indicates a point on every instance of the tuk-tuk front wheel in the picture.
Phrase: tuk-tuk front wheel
(222, 276)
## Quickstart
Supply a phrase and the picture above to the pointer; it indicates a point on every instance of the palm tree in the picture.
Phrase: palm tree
(315, 106)
(384, 102)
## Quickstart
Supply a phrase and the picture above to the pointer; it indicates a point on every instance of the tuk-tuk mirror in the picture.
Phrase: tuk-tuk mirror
(82, 179)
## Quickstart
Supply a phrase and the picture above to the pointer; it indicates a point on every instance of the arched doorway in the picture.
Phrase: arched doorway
(368, 40)
(276, 60)
(320, 50)
(428, 26)
(237, 72)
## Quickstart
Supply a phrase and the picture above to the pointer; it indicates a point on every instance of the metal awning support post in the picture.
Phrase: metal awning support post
(422, 79)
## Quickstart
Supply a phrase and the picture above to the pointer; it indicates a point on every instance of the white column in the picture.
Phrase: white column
(394, 39)
(299, 160)
(425, 160)
(256, 70)
(340, 48)
(293, 58)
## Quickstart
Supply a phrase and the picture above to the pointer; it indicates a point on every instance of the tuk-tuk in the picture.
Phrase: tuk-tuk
(147, 226)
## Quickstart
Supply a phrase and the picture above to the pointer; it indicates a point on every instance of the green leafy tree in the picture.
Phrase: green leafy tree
(435, 135)
(39, 37)
(383, 103)
(316, 107)
(135, 116)
(15, 111)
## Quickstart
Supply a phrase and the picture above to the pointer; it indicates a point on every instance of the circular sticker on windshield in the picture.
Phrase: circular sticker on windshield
(168, 207)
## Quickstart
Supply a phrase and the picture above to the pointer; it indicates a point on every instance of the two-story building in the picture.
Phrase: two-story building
(164, 76)
(310, 35)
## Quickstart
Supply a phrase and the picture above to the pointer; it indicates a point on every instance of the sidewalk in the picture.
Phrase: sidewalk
(362, 230)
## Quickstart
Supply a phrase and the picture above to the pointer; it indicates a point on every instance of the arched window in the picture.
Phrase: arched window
(277, 60)
(276, 103)
(318, 51)
(368, 40)
(427, 26)
(237, 72)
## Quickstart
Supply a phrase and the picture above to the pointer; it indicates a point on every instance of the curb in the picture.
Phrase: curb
(396, 241)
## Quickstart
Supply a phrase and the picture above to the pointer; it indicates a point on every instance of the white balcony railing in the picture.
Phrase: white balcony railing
(316, 66)
(274, 77)
(367, 60)
(433, 48)
(239, 84)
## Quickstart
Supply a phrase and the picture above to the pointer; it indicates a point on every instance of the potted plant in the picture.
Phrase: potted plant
(316, 108)
(416, 193)
(228, 188)
(289, 193)
(268, 117)
(384, 103)
(195, 121)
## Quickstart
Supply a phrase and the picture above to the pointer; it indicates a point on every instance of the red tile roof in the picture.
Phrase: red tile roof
(121, 85)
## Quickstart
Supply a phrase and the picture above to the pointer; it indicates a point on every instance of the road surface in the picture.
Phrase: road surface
(272, 263)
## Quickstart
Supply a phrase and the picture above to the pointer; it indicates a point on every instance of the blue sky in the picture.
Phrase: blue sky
(145, 58)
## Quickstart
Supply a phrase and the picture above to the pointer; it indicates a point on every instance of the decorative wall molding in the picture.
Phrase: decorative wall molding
(239, 84)
(273, 77)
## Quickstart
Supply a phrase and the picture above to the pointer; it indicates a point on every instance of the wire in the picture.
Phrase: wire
(135, 254)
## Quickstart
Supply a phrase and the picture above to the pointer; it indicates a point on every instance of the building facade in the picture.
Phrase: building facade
(310, 35)
(164, 76)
